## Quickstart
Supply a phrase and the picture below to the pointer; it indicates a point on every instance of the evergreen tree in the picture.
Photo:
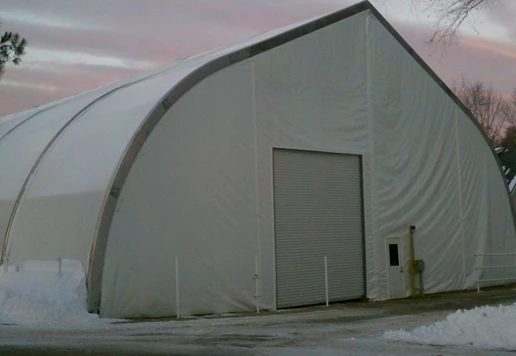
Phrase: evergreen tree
(12, 48)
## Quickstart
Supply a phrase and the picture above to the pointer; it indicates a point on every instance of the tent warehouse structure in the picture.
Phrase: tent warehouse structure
(243, 170)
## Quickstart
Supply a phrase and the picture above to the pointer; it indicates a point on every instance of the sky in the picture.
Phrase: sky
(76, 45)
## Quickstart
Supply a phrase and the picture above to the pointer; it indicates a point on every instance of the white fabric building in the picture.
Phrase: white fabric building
(324, 139)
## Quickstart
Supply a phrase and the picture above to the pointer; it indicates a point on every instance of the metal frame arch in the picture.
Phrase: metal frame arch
(6, 243)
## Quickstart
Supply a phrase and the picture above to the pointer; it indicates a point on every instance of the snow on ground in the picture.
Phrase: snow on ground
(39, 308)
(486, 327)
(347, 329)
(34, 294)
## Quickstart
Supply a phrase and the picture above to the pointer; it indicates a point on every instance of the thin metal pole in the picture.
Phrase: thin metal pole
(257, 284)
(421, 286)
(412, 262)
(326, 278)
(478, 285)
(60, 263)
(177, 289)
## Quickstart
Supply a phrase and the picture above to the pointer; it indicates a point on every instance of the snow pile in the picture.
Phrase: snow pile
(485, 327)
(36, 295)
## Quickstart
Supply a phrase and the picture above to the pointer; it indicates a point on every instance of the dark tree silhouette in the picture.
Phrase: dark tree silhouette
(12, 48)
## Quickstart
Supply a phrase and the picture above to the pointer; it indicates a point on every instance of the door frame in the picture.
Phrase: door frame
(357, 153)
(399, 241)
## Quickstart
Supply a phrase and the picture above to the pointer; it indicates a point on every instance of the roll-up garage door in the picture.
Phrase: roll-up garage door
(318, 214)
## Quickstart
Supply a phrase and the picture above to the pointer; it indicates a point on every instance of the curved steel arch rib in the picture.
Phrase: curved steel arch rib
(23, 121)
(6, 242)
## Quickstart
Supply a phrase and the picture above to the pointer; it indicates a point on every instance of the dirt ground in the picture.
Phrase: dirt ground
(353, 328)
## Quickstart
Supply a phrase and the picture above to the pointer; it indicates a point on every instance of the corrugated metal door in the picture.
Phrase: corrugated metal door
(318, 213)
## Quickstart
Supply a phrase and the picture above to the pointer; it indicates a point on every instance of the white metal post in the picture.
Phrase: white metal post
(326, 278)
(493, 267)
(60, 264)
(177, 288)
(257, 284)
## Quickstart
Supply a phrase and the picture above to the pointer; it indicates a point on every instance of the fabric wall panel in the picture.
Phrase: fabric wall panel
(58, 213)
(211, 177)
(190, 194)
(29, 140)
(473, 155)
(310, 95)
(415, 164)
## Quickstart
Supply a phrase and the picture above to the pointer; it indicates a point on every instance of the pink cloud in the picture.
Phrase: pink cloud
(160, 32)
(476, 58)
(26, 88)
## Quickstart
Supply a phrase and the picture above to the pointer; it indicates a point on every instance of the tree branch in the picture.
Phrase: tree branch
(451, 14)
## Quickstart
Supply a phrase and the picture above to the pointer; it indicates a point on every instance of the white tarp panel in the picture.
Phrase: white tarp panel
(451, 188)
(29, 136)
(487, 228)
(415, 179)
(11, 122)
(28, 140)
(194, 187)
(8, 123)
(61, 205)
(475, 189)
(301, 100)
(81, 188)
(78, 193)
(500, 225)
(201, 188)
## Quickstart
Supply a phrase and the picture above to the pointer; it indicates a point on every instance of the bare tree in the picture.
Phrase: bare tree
(493, 112)
(450, 16)
(507, 151)
(509, 139)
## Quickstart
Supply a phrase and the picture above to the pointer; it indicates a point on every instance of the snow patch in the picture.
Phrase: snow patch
(485, 327)
(35, 295)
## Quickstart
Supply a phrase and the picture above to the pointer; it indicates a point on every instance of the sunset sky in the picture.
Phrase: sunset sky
(77, 45)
